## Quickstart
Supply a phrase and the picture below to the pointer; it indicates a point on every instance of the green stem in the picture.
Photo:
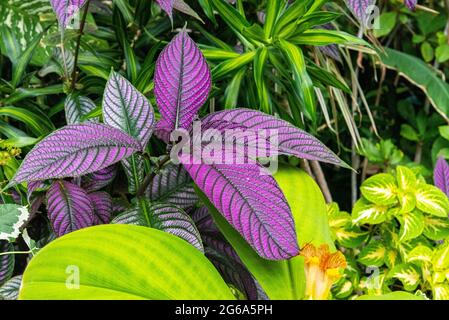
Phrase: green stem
(78, 44)
(15, 252)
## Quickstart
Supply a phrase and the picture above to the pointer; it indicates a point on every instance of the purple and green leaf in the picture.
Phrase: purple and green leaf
(69, 207)
(76, 150)
(252, 202)
(441, 175)
(182, 82)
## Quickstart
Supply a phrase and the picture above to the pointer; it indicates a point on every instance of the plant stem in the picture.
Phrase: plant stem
(418, 152)
(14, 252)
(78, 44)
(321, 180)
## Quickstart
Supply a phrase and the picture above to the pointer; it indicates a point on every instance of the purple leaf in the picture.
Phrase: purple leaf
(291, 140)
(35, 186)
(76, 107)
(252, 203)
(69, 207)
(100, 179)
(360, 9)
(75, 150)
(66, 9)
(6, 261)
(441, 176)
(166, 217)
(102, 203)
(411, 4)
(173, 185)
(182, 82)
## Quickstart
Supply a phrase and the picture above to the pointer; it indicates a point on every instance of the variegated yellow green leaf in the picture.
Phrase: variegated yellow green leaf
(432, 200)
(412, 225)
(350, 237)
(367, 212)
(343, 289)
(441, 292)
(391, 258)
(373, 254)
(406, 178)
(440, 258)
(420, 254)
(408, 274)
(407, 200)
(436, 228)
(380, 189)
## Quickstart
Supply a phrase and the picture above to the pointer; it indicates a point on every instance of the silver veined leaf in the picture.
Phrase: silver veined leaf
(162, 216)
(102, 204)
(6, 261)
(125, 108)
(10, 290)
(76, 107)
(173, 185)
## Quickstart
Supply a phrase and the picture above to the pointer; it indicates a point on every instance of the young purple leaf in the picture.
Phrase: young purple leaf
(167, 6)
(252, 203)
(291, 140)
(66, 9)
(102, 203)
(75, 150)
(411, 4)
(182, 82)
(165, 217)
(180, 5)
(76, 107)
(98, 180)
(6, 261)
(173, 185)
(69, 207)
(360, 8)
(441, 175)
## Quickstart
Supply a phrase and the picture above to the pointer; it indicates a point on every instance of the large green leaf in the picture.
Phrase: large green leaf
(396, 295)
(121, 262)
(420, 74)
(285, 279)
